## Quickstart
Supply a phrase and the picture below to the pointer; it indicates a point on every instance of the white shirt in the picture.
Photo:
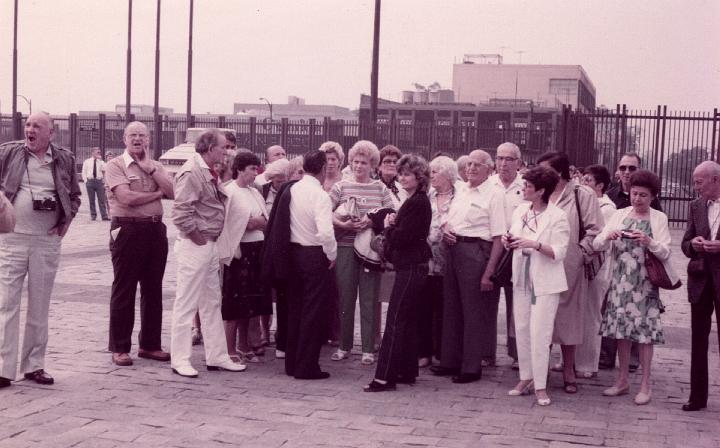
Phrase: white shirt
(713, 209)
(311, 216)
(478, 212)
(512, 195)
(87, 169)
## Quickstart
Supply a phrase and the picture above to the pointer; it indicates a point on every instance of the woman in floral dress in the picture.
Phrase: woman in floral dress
(632, 313)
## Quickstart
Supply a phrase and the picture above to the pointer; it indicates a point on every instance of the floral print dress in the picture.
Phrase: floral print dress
(633, 304)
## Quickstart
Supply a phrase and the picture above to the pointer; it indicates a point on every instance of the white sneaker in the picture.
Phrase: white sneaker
(228, 366)
(186, 371)
(279, 354)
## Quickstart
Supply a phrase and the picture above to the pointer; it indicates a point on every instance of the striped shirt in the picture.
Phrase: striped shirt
(368, 196)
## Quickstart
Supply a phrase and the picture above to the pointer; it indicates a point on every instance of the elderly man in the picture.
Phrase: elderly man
(476, 221)
(40, 181)
(507, 163)
(93, 172)
(273, 153)
(199, 214)
(701, 243)
(138, 246)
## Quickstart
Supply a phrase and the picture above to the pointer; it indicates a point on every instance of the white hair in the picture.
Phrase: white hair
(333, 148)
(445, 167)
(280, 166)
(512, 147)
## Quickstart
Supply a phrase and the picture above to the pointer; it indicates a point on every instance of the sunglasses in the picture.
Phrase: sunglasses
(630, 168)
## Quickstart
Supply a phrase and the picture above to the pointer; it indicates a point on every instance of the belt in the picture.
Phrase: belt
(144, 219)
(470, 239)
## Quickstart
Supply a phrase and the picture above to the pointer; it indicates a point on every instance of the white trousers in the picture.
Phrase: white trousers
(533, 332)
(198, 289)
(36, 256)
(587, 354)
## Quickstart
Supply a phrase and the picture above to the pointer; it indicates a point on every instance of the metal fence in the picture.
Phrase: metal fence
(671, 143)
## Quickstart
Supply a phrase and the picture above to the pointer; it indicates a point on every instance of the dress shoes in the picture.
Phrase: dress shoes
(40, 376)
(376, 386)
(443, 371)
(156, 355)
(186, 371)
(4, 382)
(228, 366)
(689, 406)
(317, 376)
(122, 359)
(465, 378)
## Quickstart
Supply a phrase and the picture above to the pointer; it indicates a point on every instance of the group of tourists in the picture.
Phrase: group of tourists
(579, 258)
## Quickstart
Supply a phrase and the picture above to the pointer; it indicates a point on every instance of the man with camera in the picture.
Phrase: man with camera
(138, 245)
(40, 180)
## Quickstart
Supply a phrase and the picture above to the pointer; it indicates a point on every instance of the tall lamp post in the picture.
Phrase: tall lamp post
(269, 106)
(28, 101)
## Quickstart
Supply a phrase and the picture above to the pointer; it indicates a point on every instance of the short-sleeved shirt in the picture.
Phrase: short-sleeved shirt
(478, 212)
(124, 170)
(37, 184)
(512, 195)
(368, 196)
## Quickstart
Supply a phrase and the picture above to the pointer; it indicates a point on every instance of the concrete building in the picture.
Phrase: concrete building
(294, 110)
(495, 83)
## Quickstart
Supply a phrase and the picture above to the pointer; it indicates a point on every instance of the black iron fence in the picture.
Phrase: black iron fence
(671, 143)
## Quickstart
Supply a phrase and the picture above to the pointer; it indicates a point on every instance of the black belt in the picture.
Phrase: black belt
(470, 239)
(144, 219)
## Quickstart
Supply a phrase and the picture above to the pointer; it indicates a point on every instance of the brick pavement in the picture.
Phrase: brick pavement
(96, 404)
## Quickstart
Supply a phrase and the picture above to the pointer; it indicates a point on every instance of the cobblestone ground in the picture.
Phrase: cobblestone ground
(97, 404)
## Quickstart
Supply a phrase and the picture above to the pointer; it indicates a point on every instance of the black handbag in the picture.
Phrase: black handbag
(503, 271)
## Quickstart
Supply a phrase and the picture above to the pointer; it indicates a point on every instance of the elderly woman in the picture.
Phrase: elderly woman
(408, 250)
(443, 175)
(335, 158)
(240, 248)
(388, 173)
(632, 313)
(461, 164)
(276, 174)
(352, 198)
(539, 237)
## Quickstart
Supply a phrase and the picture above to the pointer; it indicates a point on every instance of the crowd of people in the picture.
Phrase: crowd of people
(579, 255)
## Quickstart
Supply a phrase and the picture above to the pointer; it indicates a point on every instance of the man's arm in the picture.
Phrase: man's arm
(162, 179)
(7, 215)
(74, 190)
(690, 233)
(130, 198)
(183, 211)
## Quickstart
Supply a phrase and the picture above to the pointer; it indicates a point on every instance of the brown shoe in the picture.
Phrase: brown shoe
(157, 355)
(122, 359)
(42, 377)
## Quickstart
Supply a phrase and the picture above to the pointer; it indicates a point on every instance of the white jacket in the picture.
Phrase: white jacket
(547, 274)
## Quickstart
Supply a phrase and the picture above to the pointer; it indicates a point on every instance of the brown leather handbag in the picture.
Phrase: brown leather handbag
(657, 274)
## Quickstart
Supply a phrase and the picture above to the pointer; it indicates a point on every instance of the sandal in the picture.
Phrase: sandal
(249, 356)
(339, 355)
(570, 387)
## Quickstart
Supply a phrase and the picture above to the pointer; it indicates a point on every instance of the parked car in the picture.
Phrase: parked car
(175, 157)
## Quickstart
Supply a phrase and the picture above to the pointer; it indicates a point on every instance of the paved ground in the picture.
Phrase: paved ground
(96, 404)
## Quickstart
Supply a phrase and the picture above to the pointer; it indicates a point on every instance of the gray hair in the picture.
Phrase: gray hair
(367, 149)
(208, 140)
(462, 162)
(280, 166)
(330, 147)
(512, 147)
(294, 165)
(446, 167)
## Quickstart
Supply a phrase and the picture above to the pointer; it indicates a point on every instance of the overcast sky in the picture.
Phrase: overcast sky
(72, 52)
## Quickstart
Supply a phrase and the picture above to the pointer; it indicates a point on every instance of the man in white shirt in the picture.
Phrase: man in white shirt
(476, 221)
(312, 252)
(93, 174)
(508, 180)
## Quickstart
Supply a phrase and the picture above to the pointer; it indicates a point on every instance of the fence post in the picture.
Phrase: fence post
(662, 140)
(284, 132)
(656, 148)
(192, 122)
(566, 120)
(157, 141)
(17, 126)
(253, 134)
(714, 132)
(393, 129)
(102, 126)
(623, 129)
(72, 129)
(221, 121)
(617, 135)
(326, 129)
(311, 134)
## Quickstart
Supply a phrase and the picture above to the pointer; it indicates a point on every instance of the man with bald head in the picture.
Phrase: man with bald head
(701, 243)
(273, 153)
(40, 180)
(476, 221)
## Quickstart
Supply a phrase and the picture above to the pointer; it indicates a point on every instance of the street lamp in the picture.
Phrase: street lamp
(269, 106)
(28, 101)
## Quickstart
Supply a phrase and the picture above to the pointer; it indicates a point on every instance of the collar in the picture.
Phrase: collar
(201, 162)
(516, 183)
(127, 158)
(48, 157)
(311, 179)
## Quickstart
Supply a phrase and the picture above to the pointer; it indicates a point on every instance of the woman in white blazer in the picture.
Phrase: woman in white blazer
(633, 308)
(539, 236)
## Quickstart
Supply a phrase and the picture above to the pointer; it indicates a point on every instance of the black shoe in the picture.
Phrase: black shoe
(465, 378)
(317, 376)
(405, 379)
(606, 365)
(4, 382)
(443, 371)
(693, 406)
(106, 219)
(40, 377)
(374, 386)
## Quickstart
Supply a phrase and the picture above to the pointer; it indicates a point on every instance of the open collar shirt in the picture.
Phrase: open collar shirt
(478, 212)
(512, 195)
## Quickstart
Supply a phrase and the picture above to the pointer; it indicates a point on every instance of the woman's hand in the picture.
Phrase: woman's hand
(390, 219)
(523, 243)
(641, 237)
(615, 234)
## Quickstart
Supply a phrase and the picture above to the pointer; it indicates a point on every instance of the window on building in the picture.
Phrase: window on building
(560, 86)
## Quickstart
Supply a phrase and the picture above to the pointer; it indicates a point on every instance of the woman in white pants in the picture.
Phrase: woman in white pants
(539, 236)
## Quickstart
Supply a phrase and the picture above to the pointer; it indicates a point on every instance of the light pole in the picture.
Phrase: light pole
(269, 106)
(28, 101)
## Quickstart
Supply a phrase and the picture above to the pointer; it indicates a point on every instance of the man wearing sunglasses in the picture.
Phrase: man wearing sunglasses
(620, 195)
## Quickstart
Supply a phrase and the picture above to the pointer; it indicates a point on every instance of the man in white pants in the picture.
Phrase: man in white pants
(198, 214)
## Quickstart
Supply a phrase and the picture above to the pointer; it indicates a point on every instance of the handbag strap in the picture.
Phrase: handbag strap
(581, 231)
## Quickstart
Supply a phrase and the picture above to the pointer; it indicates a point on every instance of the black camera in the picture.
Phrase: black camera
(45, 205)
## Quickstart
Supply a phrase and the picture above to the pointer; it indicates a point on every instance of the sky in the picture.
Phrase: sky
(72, 53)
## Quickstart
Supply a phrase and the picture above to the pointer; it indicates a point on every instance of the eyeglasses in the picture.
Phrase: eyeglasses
(389, 162)
(506, 159)
(630, 168)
